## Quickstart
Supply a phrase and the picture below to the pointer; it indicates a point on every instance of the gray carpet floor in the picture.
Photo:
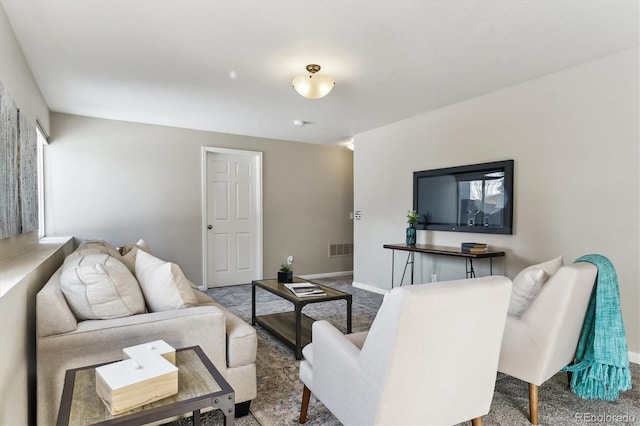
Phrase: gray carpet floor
(280, 390)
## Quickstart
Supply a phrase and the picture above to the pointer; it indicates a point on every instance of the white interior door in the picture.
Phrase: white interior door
(233, 249)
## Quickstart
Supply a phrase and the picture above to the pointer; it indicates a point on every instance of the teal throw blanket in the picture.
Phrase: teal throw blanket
(601, 370)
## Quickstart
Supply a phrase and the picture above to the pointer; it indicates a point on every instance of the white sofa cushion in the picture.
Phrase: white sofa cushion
(99, 286)
(163, 284)
(528, 283)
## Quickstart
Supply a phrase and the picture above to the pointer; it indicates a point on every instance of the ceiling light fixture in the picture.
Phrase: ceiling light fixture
(349, 144)
(312, 85)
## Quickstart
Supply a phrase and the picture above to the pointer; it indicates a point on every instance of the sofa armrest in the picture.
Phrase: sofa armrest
(242, 340)
(53, 315)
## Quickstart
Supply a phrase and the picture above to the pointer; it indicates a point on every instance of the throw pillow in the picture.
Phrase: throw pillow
(141, 244)
(99, 286)
(528, 284)
(130, 252)
(163, 284)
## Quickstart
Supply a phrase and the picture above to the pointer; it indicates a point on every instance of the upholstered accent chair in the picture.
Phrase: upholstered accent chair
(544, 339)
(430, 357)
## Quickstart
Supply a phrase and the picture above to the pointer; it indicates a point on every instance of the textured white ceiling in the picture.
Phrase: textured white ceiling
(170, 62)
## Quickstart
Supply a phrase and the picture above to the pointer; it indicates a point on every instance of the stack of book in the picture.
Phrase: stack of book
(474, 247)
(305, 289)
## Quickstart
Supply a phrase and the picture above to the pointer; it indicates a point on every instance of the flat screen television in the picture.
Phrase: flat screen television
(474, 198)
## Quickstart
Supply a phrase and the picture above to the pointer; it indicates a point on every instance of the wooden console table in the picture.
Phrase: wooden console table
(437, 250)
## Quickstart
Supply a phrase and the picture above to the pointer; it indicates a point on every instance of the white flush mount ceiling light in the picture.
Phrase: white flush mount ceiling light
(312, 85)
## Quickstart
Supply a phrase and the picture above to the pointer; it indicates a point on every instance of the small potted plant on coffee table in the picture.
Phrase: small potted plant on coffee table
(285, 274)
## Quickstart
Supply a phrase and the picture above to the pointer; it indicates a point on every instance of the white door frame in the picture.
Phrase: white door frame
(257, 157)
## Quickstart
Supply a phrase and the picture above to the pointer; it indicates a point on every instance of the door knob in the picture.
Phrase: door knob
(210, 227)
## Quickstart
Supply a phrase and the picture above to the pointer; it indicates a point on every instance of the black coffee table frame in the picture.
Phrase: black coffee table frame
(224, 400)
(293, 327)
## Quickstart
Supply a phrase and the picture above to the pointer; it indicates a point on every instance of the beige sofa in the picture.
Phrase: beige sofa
(63, 342)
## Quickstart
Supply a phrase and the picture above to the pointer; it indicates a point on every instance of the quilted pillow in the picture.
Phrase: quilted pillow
(99, 286)
(528, 284)
(98, 245)
(163, 284)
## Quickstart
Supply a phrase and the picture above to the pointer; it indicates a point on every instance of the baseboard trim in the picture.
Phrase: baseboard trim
(634, 357)
(369, 288)
(326, 275)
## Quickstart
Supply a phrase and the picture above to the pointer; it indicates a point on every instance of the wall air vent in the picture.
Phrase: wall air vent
(345, 249)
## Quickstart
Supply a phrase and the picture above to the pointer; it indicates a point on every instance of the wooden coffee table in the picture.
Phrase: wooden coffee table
(200, 385)
(293, 327)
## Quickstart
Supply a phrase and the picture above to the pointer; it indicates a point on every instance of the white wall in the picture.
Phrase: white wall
(17, 298)
(28, 272)
(16, 76)
(122, 181)
(574, 136)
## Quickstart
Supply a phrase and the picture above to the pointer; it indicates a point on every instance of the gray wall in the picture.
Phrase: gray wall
(574, 137)
(122, 181)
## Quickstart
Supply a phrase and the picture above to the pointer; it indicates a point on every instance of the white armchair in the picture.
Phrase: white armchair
(430, 357)
(544, 339)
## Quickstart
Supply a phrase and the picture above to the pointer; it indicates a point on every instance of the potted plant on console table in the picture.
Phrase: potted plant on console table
(412, 219)
(285, 274)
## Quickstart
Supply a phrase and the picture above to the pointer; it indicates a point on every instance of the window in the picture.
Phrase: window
(42, 141)
(482, 194)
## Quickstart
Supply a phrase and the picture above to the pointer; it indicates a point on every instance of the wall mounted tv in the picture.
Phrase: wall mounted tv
(474, 198)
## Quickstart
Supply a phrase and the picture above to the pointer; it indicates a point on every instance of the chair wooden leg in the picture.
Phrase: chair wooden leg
(533, 403)
(477, 421)
(306, 394)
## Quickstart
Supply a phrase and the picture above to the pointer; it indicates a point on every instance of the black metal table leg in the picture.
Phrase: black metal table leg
(412, 263)
(349, 315)
(406, 264)
(298, 349)
(393, 262)
(470, 272)
(253, 304)
(229, 419)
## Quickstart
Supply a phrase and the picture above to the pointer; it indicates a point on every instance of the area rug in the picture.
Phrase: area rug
(280, 390)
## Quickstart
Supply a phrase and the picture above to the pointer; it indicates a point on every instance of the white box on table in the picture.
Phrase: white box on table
(157, 347)
(134, 382)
